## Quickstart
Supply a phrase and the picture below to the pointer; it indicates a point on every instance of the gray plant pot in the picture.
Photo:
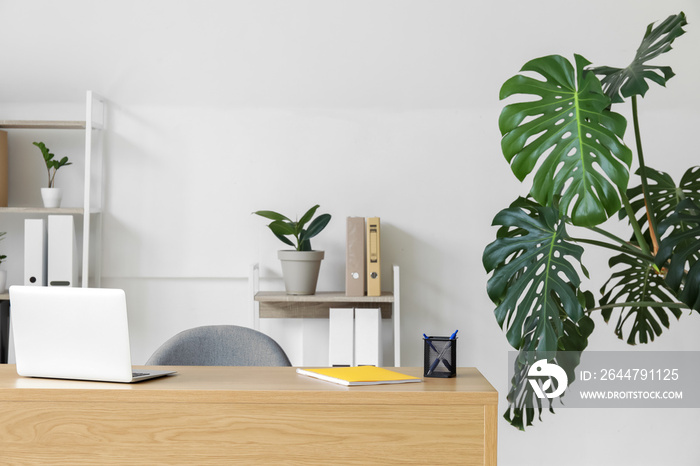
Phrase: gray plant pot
(300, 270)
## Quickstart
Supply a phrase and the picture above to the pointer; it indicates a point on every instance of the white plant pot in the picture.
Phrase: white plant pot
(51, 197)
(300, 270)
(3, 281)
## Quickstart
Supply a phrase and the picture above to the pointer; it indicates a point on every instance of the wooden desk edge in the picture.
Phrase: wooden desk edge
(217, 384)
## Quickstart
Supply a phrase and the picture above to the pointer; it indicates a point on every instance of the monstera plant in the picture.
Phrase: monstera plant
(563, 136)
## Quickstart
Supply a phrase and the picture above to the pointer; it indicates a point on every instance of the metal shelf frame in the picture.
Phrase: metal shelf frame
(95, 114)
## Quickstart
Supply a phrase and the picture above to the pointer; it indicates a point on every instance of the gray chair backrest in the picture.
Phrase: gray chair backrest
(219, 345)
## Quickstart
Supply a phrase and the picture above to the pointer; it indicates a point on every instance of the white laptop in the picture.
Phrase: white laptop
(73, 333)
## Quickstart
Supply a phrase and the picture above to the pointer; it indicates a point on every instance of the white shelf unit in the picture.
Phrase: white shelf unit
(95, 108)
(278, 304)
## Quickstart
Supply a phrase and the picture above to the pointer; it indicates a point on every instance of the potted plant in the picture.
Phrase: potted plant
(300, 266)
(3, 273)
(51, 195)
(567, 140)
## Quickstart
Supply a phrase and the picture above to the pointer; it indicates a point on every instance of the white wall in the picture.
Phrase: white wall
(388, 108)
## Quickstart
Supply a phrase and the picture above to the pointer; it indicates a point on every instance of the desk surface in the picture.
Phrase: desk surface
(251, 384)
(248, 415)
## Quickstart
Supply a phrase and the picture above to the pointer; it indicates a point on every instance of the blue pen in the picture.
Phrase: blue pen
(430, 343)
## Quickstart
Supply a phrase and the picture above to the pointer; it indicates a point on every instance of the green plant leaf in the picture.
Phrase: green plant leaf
(63, 163)
(271, 215)
(306, 217)
(316, 227)
(663, 195)
(626, 82)
(279, 227)
(637, 281)
(570, 134)
(532, 274)
(690, 185)
(285, 240)
(44, 151)
(524, 404)
(679, 251)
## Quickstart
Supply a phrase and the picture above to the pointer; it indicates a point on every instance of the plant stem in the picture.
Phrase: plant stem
(631, 250)
(642, 173)
(609, 235)
(635, 225)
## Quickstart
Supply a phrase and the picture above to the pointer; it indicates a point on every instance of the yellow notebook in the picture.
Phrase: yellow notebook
(360, 375)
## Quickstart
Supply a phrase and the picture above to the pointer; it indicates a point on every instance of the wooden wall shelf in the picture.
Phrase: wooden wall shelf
(41, 124)
(278, 304)
(42, 210)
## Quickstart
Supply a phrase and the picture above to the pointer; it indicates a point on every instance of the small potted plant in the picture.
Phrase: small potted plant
(3, 273)
(300, 266)
(51, 195)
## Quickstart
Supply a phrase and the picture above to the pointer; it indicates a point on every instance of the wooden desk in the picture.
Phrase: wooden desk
(247, 415)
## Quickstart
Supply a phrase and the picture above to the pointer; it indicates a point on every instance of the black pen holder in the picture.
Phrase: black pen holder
(440, 357)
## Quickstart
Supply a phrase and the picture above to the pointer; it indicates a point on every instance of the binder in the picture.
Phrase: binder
(373, 238)
(355, 257)
(3, 169)
(62, 255)
(35, 272)
(341, 337)
(368, 331)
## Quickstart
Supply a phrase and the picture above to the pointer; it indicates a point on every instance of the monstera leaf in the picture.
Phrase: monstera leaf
(663, 195)
(524, 404)
(625, 82)
(679, 251)
(638, 283)
(533, 275)
(690, 185)
(584, 160)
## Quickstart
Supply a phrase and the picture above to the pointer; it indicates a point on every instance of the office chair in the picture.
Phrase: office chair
(219, 345)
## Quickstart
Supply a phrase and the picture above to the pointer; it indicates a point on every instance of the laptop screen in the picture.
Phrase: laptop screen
(72, 333)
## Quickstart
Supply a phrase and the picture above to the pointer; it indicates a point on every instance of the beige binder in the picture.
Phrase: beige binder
(374, 277)
(3, 168)
(355, 257)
